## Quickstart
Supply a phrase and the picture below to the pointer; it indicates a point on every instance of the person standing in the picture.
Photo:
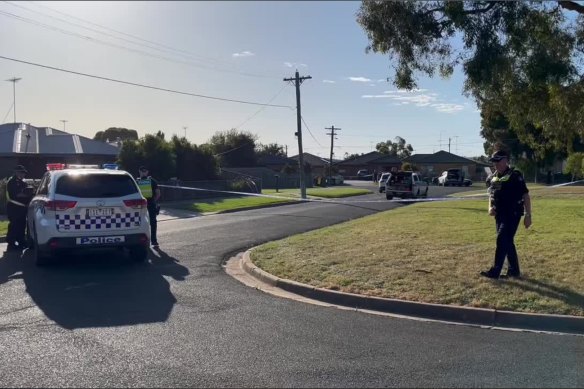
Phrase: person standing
(150, 190)
(17, 200)
(508, 201)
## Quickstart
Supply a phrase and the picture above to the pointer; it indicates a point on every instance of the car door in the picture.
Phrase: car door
(35, 205)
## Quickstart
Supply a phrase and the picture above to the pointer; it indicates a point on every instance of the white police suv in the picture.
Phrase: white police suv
(78, 207)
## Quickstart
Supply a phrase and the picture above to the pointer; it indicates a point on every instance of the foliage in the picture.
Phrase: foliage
(114, 133)
(351, 156)
(521, 57)
(270, 149)
(575, 165)
(193, 163)
(399, 148)
(233, 148)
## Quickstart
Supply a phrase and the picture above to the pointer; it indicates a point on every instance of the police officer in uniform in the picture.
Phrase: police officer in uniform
(149, 188)
(17, 198)
(508, 201)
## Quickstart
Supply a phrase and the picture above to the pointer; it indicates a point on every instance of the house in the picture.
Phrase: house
(350, 167)
(319, 166)
(34, 147)
(277, 163)
(432, 165)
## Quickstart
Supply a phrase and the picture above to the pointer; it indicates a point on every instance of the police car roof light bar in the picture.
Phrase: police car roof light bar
(55, 166)
(80, 166)
(110, 166)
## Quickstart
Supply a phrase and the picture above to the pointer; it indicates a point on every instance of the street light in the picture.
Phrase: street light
(14, 80)
(64, 124)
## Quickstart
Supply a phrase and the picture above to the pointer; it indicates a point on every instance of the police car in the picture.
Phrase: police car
(78, 207)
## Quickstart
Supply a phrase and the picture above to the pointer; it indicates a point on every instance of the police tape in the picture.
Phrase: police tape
(321, 200)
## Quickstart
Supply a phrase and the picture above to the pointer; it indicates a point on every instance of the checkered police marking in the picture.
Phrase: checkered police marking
(83, 223)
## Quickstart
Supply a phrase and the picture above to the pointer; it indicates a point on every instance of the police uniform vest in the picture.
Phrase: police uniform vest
(20, 186)
(145, 185)
(506, 194)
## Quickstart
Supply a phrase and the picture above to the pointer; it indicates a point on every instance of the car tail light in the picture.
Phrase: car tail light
(136, 203)
(59, 205)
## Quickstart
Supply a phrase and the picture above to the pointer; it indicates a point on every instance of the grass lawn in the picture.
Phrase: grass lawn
(287, 196)
(3, 228)
(433, 251)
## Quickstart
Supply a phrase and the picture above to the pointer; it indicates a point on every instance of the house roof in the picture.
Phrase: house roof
(439, 157)
(362, 159)
(311, 159)
(386, 159)
(21, 138)
(276, 160)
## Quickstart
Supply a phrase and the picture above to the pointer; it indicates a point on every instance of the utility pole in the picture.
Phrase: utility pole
(14, 80)
(286, 146)
(185, 129)
(332, 134)
(64, 124)
(297, 81)
(449, 144)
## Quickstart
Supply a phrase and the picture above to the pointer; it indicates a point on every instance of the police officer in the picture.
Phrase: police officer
(149, 188)
(508, 200)
(17, 200)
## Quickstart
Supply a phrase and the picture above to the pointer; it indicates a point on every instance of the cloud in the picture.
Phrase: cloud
(329, 81)
(295, 65)
(418, 98)
(243, 54)
(359, 79)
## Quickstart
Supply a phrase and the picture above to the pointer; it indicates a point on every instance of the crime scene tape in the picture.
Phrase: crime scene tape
(320, 200)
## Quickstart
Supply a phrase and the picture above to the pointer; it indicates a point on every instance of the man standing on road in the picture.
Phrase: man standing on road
(17, 200)
(150, 190)
(509, 198)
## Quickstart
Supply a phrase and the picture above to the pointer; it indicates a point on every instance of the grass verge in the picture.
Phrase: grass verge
(432, 252)
(330, 193)
(3, 227)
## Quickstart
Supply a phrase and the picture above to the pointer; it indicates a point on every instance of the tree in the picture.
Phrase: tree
(192, 162)
(270, 149)
(114, 133)
(347, 156)
(575, 165)
(399, 148)
(233, 148)
(521, 56)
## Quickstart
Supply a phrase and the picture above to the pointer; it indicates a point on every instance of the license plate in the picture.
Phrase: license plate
(99, 211)
(100, 240)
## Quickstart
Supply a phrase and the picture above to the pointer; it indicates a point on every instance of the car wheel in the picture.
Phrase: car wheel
(388, 196)
(139, 253)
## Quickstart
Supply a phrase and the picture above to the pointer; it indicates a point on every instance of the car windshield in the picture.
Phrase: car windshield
(96, 185)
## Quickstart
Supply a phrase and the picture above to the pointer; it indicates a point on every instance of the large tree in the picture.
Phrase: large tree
(399, 148)
(521, 57)
(234, 148)
(270, 149)
(113, 134)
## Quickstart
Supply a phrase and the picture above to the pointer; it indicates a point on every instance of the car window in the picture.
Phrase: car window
(96, 185)
(44, 185)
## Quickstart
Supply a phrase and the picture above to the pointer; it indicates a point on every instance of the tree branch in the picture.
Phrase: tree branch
(472, 11)
(572, 6)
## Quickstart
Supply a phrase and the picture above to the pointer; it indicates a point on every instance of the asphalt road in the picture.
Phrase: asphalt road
(180, 320)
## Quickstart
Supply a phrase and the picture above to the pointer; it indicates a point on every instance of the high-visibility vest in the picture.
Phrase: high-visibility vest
(12, 200)
(145, 185)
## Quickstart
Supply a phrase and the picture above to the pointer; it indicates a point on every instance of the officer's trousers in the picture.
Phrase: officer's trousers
(16, 224)
(506, 228)
(153, 223)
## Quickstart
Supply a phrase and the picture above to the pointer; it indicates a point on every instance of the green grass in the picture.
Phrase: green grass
(225, 204)
(3, 227)
(331, 192)
(432, 252)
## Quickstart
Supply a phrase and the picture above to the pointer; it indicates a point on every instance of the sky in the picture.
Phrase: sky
(227, 50)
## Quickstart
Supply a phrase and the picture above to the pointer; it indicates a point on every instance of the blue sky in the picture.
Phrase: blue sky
(233, 50)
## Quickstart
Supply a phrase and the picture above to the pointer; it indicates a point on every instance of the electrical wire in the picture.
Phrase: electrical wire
(144, 86)
(95, 40)
(9, 109)
(262, 108)
(310, 132)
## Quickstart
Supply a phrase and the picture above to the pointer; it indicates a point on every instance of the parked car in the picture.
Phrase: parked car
(405, 184)
(453, 177)
(364, 175)
(382, 179)
(85, 208)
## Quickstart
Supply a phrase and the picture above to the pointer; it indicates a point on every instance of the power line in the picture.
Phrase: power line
(261, 109)
(144, 86)
(92, 39)
(310, 132)
(8, 113)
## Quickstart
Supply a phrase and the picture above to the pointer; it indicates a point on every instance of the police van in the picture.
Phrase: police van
(79, 207)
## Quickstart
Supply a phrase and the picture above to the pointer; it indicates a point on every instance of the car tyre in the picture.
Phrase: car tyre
(388, 196)
(139, 253)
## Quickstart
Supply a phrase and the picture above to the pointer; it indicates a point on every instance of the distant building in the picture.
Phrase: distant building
(34, 147)
(432, 165)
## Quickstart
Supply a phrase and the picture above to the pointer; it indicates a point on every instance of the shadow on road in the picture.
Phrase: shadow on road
(98, 289)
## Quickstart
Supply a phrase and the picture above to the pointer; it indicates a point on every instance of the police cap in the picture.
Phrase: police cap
(499, 155)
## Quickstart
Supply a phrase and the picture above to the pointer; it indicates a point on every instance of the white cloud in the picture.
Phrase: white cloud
(329, 81)
(295, 65)
(448, 107)
(418, 98)
(243, 54)
(359, 79)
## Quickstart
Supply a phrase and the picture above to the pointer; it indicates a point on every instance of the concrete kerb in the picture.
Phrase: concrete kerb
(450, 313)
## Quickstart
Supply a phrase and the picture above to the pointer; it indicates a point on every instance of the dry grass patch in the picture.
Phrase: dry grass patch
(433, 252)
